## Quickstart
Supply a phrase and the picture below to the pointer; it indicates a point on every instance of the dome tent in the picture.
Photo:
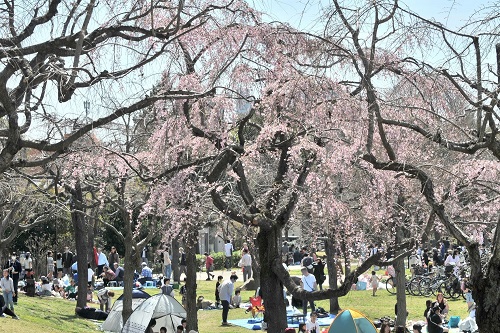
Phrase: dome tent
(351, 321)
(114, 322)
(166, 310)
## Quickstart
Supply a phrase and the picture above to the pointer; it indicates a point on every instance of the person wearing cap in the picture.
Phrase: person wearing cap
(417, 328)
(15, 268)
(308, 283)
(146, 274)
(226, 293)
(434, 322)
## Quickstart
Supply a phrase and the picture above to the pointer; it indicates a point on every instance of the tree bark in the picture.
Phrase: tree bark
(191, 286)
(272, 288)
(399, 267)
(332, 274)
(80, 228)
(175, 260)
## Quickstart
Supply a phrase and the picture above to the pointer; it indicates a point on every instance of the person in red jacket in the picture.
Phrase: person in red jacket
(209, 265)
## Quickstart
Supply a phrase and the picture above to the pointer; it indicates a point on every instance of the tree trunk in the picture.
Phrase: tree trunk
(130, 259)
(80, 228)
(175, 260)
(488, 306)
(332, 274)
(191, 286)
(399, 267)
(272, 288)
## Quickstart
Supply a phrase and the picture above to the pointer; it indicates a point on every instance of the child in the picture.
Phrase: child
(302, 328)
(374, 283)
(163, 330)
(217, 287)
(236, 301)
(312, 324)
(7, 285)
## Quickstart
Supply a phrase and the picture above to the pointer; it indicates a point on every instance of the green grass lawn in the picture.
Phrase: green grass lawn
(41, 315)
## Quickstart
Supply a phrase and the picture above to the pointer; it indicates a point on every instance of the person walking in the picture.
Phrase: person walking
(226, 293)
(308, 283)
(209, 265)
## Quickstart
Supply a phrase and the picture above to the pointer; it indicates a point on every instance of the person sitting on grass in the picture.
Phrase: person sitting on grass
(385, 328)
(236, 300)
(417, 328)
(302, 328)
(435, 321)
(4, 309)
(70, 290)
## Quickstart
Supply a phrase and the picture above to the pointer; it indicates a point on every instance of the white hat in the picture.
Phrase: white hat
(144, 264)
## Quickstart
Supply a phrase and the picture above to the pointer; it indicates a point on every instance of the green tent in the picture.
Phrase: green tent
(351, 321)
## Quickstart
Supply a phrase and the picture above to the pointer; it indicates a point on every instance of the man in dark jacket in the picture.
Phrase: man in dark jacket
(15, 268)
(67, 261)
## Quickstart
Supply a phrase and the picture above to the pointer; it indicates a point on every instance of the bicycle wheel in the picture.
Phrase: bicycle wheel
(424, 287)
(390, 285)
(413, 286)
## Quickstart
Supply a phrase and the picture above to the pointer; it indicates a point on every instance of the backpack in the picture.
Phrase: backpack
(453, 322)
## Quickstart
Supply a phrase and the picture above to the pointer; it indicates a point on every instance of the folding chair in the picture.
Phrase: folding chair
(256, 307)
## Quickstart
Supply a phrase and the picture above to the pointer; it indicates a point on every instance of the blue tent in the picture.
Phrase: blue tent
(351, 321)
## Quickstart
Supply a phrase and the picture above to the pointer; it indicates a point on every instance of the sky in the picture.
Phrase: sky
(302, 13)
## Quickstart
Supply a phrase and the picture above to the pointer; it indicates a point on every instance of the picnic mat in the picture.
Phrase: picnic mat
(249, 323)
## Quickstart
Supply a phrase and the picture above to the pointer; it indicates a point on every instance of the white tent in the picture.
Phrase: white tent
(166, 310)
(114, 322)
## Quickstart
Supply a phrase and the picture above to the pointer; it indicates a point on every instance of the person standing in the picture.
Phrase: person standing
(374, 282)
(217, 291)
(112, 258)
(209, 265)
(15, 268)
(168, 263)
(144, 254)
(319, 272)
(50, 265)
(182, 262)
(246, 264)
(228, 252)
(308, 283)
(101, 261)
(226, 293)
(28, 266)
(67, 261)
(7, 285)
(59, 265)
